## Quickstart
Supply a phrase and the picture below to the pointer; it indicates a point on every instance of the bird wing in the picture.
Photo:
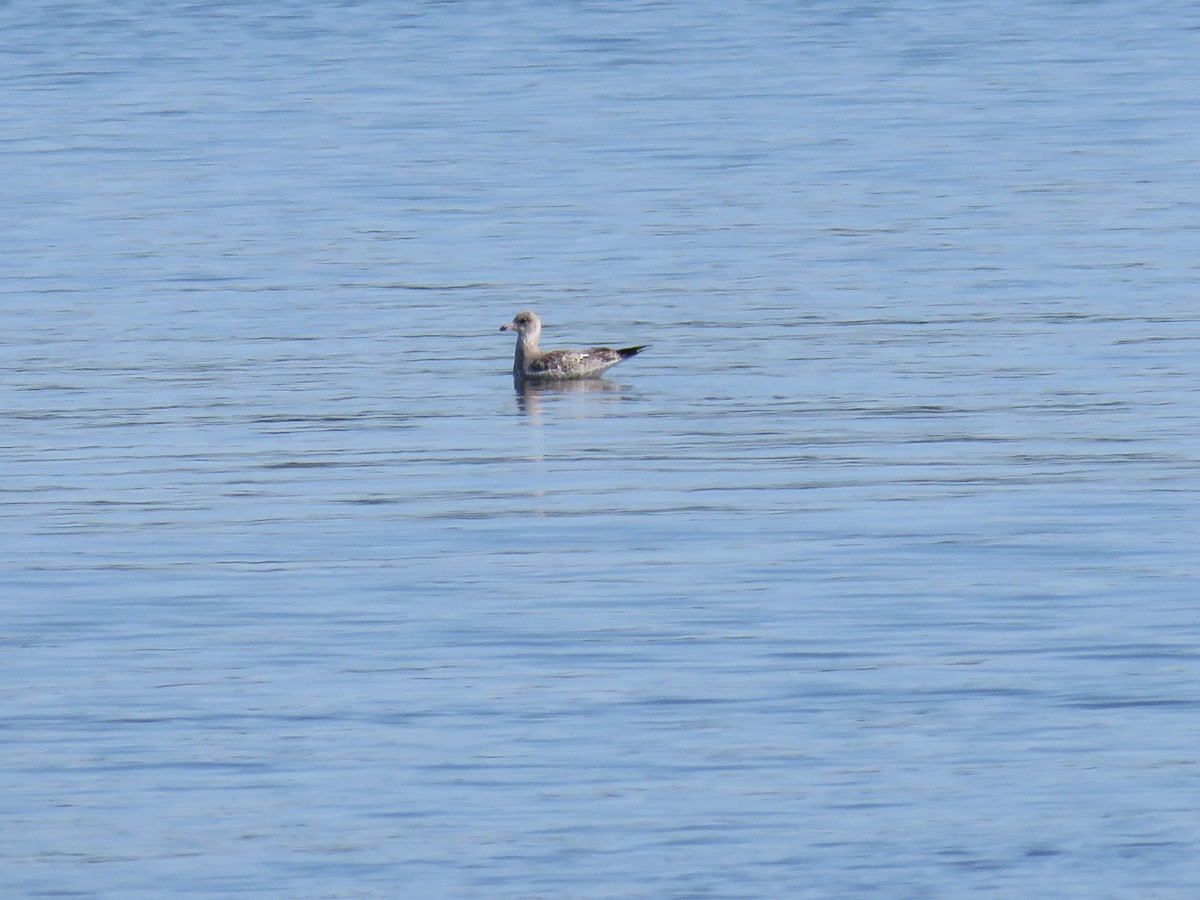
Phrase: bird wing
(574, 363)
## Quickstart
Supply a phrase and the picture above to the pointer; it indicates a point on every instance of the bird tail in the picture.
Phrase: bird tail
(626, 352)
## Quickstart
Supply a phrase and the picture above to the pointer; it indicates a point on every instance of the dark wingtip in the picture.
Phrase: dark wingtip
(626, 352)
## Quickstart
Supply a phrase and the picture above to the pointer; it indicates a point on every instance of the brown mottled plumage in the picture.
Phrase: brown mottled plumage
(530, 362)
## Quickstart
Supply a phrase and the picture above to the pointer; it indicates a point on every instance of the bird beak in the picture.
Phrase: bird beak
(509, 327)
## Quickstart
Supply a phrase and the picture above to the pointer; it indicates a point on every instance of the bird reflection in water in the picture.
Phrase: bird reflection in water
(532, 393)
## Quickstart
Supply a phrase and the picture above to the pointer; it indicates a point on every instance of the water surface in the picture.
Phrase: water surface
(874, 576)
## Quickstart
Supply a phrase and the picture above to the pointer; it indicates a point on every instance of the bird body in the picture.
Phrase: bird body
(558, 365)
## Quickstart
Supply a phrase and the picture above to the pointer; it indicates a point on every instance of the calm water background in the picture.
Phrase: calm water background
(876, 576)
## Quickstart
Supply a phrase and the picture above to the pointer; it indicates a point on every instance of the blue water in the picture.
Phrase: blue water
(876, 576)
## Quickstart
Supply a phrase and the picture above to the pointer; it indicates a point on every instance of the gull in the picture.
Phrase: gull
(558, 365)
